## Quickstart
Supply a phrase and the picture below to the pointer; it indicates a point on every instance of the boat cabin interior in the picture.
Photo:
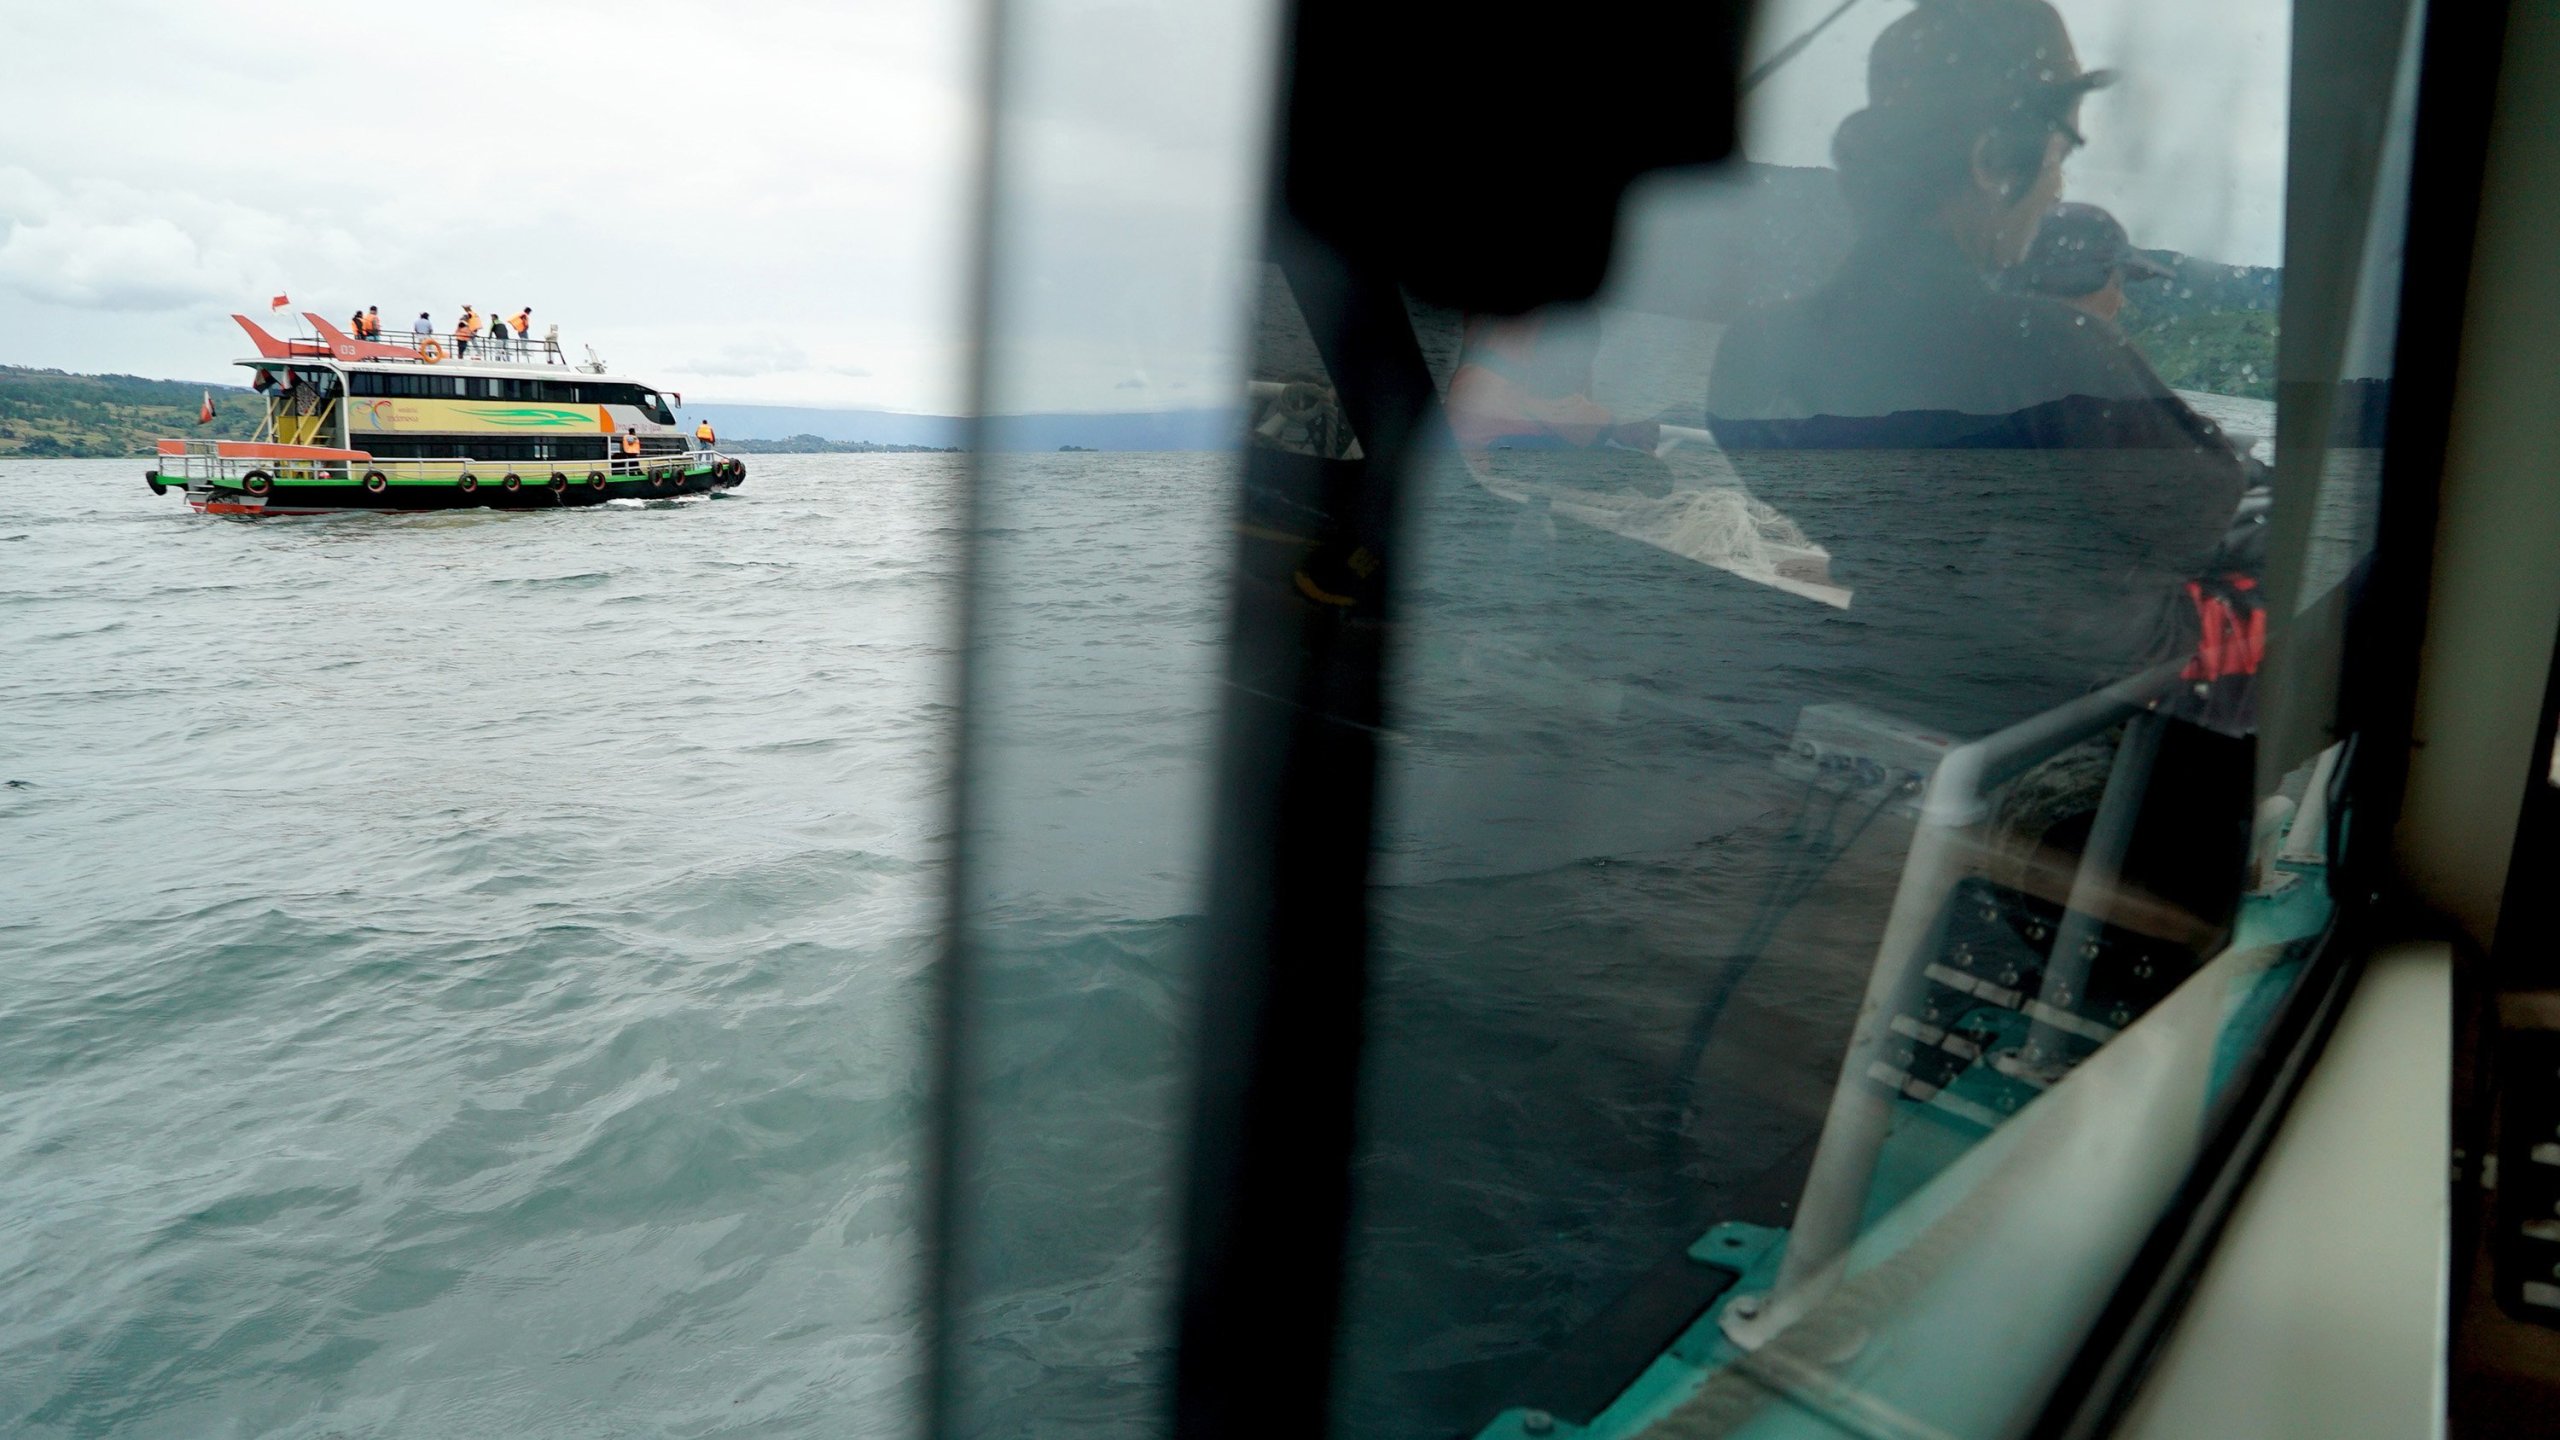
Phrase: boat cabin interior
(1791, 826)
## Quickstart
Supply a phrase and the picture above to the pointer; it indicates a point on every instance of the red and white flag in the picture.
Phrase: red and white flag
(279, 302)
(204, 416)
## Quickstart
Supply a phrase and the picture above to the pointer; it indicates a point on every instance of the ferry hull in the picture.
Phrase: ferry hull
(301, 497)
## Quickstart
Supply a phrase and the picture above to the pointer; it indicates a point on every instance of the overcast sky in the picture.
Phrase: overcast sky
(765, 200)
(758, 200)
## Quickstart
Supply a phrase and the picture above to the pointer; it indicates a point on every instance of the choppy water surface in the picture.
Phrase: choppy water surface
(462, 972)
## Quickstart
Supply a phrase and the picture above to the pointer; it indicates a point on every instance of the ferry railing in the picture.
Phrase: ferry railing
(1946, 845)
(545, 350)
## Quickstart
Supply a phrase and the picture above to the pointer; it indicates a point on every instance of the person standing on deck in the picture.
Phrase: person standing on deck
(631, 449)
(463, 330)
(373, 322)
(355, 325)
(524, 329)
(702, 433)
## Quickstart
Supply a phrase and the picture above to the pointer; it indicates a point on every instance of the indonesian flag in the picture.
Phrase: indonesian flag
(279, 302)
(204, 415)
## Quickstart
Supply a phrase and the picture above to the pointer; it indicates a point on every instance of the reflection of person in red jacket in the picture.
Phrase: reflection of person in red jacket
(1523, 384)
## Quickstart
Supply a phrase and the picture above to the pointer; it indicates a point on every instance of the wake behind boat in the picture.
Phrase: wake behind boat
(423, 424)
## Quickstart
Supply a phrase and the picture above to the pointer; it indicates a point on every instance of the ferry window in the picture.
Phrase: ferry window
(1824, 713)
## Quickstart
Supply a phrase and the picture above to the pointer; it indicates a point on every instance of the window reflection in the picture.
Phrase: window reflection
(1827, 685)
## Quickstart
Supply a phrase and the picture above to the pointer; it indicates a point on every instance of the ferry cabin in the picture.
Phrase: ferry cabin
(494, 412)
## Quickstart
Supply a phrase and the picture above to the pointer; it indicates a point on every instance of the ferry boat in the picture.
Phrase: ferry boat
(437, 422)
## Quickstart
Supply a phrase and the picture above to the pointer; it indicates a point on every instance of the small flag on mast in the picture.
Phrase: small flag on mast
(204, 416)
(279, 302)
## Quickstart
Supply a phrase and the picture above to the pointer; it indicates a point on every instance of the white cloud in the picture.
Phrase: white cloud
(107, 246)
(674, 183)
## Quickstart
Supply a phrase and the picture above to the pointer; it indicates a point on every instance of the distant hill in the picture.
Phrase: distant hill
(818, 445)
(53, 412)
(2209, 326)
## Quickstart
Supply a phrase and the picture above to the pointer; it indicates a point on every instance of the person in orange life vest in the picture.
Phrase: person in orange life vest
(631, 448)
(355, 326)
(1523, 384)
(524, 325)
(463, 330)
(702, 433)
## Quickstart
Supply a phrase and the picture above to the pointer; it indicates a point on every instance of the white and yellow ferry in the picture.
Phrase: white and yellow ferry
(428, 422)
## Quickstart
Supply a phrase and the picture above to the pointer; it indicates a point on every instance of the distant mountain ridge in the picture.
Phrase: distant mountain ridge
(58, 413)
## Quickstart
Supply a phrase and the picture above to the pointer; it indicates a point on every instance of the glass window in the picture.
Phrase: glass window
(1827, 694)
(1827, 711)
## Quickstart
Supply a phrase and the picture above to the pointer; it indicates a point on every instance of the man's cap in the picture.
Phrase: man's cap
(1989, 55)
(2077, 248)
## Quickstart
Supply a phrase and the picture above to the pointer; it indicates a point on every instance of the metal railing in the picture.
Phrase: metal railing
(1946, 845)
(485, 347)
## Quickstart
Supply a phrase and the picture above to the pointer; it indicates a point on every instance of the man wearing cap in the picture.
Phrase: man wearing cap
(2045, 494)
(2083, 258)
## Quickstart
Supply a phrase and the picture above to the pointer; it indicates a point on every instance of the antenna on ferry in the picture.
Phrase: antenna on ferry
(595, 362)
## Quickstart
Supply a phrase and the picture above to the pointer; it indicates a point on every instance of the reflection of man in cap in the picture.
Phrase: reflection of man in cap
(2000, 565)
(2083, 258)
(1949, 170)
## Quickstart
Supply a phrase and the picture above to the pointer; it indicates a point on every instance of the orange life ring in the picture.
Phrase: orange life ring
(430, 351)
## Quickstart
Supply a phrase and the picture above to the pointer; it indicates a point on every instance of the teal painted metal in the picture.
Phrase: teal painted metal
(1752, 1251)
(1926, 1139)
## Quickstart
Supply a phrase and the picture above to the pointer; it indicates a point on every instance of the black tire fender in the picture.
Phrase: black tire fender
(596, 480)
(257, 482)
(152, 479)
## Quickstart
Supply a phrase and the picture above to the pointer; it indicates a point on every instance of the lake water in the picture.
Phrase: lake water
(463, 971)
(466, 974)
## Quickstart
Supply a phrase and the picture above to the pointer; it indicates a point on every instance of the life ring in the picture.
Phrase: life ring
(467, 482)
(595, 480)
(257, 482)
(559, 484)
(430, 351)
